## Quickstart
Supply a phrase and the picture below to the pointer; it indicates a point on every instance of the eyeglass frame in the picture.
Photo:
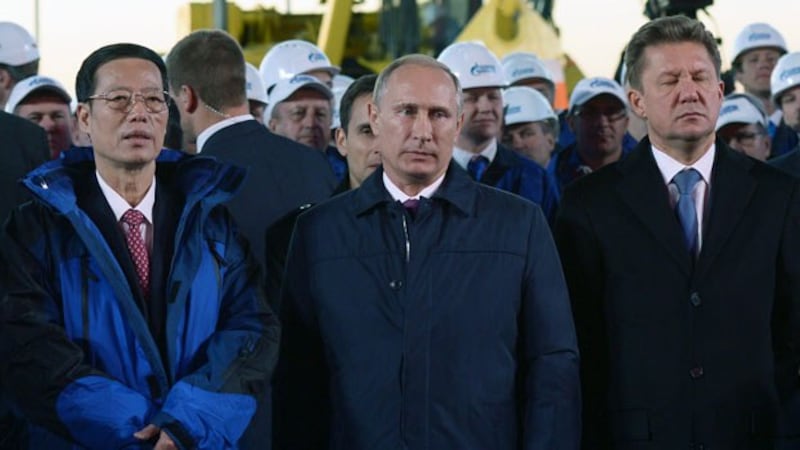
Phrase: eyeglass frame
(134, 97)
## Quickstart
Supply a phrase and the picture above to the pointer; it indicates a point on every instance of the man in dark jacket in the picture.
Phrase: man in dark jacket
(682, 262)
(22, 148)
(131, 311)
(282, 174)
(425, 310)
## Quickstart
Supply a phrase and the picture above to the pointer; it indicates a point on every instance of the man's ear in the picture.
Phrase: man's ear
(187, 99)
(636, 100)
(82, 115)
(341, 141)
(372, 113)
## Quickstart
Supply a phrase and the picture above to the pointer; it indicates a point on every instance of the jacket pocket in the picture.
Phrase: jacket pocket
(630, 425)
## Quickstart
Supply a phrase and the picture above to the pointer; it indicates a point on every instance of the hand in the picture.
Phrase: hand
(149, 432)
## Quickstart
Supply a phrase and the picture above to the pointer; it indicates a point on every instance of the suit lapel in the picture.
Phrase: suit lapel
(642, 188)
(732, 186)
(498, 167)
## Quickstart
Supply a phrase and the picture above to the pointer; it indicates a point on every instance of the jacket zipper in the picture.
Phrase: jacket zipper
(408, 241)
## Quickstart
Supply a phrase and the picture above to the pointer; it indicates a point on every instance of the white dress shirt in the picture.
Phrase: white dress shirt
(401, 196)
(670, 167)
(462, 157)
(119, 206)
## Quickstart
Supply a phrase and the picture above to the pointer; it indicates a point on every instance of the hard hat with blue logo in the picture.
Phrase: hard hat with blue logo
(785, 75)
(473, 64)
(17, 46)
(36, 83)
(285, 88)
(589, 88)
(254, 87)
(523, 65)
(523, 104)
(757, 35)
(289, 58)
(741, 108)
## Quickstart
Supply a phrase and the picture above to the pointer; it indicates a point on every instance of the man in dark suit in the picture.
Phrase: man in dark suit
(23, 148)
(282, 174)
(682, 263)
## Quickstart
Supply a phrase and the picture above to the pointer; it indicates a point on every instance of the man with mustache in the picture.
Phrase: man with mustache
(131, 310)
(598, 117)
(683, 268)
(477, 149)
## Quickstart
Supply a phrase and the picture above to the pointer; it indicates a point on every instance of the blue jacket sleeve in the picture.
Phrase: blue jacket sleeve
(212, 406)
(549, 349)
(43, 374)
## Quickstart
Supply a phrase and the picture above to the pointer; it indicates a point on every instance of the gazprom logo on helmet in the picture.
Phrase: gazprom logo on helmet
(759, 37)
(316, 57)
(302, 79)
(41, 80)
(602, 83)
(728, 109)
(789, 73)
(513, 109)
(523, 71)
(482, 69)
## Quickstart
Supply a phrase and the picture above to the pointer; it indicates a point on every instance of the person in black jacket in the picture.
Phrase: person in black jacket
(682, 263)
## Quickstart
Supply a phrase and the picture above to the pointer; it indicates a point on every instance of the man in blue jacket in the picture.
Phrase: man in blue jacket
(425, 310)
(131, 312)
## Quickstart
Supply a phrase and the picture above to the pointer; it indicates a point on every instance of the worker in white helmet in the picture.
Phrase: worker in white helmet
(256, 93)
(755, 52)
(526, 69)
(742, 124)
(785, 94)
(531, 125)
(481, 77)
(293, 57)
(19, 57)
(45, 102)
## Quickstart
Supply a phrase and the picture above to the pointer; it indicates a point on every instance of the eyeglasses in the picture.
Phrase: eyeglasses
(154, 100)
(611, 115)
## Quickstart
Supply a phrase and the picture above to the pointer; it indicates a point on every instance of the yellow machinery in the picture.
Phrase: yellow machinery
(364, 40)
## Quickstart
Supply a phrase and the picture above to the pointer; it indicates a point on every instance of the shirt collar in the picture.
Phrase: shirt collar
(462, 157)
(119, 205)
(203, 137)
(670, 167)
(401, 196)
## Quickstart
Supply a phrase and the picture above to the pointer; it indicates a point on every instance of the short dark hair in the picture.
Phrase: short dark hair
(22, 71)
(212, 63)
(362, 86)
(85, 82)
(667, 30)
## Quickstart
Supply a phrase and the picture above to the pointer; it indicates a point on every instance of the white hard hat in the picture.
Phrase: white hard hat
(254, 86)
(17, 46)
(589, 88)
(289, 58)
(757, 35)
(785, 75)
(285, 88)
(523, 65)
(473, 64)
(525, 104)
(31, 84)
(737, 108)
(340, 85)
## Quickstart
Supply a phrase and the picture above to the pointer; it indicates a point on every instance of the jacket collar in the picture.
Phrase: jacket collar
(200, 178)
(457, 189)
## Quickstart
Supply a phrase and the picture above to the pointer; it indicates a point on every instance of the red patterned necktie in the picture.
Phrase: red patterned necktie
(141, 260)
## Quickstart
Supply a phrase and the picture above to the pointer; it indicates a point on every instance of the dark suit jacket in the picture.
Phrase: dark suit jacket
(677, 353)
(789, 163)
(282, 175)
(23, 147)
